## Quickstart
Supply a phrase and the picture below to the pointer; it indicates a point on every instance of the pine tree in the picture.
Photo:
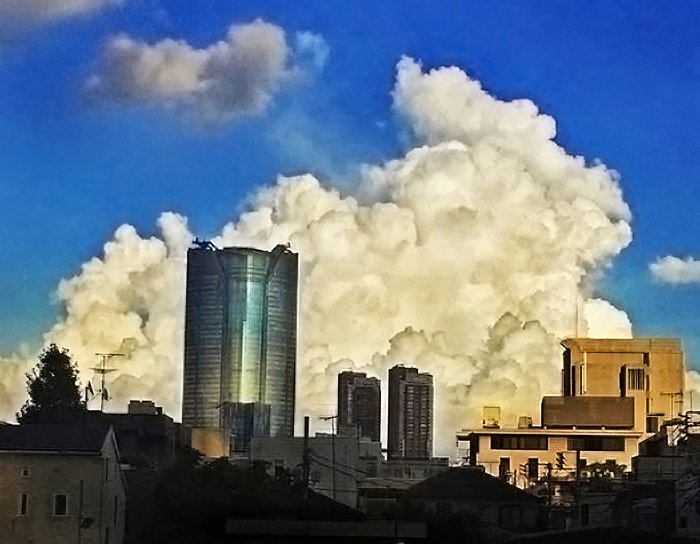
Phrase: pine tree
(54, 394)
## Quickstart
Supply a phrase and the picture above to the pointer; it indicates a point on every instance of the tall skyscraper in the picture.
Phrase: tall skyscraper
(240, 341)
(359, 405)
(410, 414)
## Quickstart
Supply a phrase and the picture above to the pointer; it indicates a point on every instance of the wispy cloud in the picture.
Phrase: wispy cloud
(673, 270)
(44, 11)
(238, 75)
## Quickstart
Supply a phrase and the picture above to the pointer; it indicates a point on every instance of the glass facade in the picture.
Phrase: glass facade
(240, 341)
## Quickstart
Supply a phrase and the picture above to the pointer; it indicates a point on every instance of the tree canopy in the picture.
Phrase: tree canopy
(54, 394)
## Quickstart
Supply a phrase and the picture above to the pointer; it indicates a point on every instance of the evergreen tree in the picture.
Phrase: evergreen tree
(54, 394)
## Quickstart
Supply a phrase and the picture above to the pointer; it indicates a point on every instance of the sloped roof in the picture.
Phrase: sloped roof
(52, 437)
(469, 485)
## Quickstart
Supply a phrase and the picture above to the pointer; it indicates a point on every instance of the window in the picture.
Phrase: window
(23, 506)
(116, 509)
(24, 472)
(504, 468)
(596, 443)
(635, 379)
(652, 424)
(533, 467)
(518, 442)
(60, 504)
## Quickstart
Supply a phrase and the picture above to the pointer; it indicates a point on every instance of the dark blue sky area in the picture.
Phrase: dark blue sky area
(622, 79)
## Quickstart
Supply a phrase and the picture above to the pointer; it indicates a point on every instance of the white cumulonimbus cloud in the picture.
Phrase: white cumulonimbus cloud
(469, 257)
(237, 75)
(44, 11)
(673, 270)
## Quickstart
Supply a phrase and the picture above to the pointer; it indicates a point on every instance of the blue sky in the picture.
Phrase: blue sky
(622, 79)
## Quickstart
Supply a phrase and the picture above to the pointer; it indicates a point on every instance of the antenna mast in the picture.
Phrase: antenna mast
(102, 370)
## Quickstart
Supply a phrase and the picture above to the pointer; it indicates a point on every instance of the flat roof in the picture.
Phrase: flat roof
(624, 345)
(541, 431)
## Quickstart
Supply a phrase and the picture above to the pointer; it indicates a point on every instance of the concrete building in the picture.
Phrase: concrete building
(672, 457)
(60, 484)
(359, 405)
(615, 394)
(648, 370)
(240, 341)
(336, 463)
(410, 421)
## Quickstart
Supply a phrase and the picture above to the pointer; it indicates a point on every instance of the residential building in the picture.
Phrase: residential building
(359, 405)
(60, 483)
(240, 341)
(615, 394)
(410, 421)
(501, 508)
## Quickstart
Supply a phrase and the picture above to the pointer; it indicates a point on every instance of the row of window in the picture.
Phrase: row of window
(535, 442)
(60, 505)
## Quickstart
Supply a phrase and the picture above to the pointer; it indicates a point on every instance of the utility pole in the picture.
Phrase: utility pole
(102, 370)
(332, 419)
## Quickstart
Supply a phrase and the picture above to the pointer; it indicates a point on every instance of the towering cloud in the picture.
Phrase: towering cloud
(41, 11)
(469, 257)
(235, 76)
(673, 270)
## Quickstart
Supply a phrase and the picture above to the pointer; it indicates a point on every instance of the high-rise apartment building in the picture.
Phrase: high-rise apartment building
(410, 414)
(359, 405)
(240, 341)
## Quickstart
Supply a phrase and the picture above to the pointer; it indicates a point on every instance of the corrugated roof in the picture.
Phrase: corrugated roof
(52, 437)
(469, 485)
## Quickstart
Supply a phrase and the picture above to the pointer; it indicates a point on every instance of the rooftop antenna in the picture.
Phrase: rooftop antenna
(102, 370)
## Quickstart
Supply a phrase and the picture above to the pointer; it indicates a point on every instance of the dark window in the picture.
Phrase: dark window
(635, 379)
(107, 534)
(533, 467)
(60, 505)
(23, 504)
(116, 509)
(504, 467)
(24, 472)
(596, 443)
(652, 424)
(518, 442)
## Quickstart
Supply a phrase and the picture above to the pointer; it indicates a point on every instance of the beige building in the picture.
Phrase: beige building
(60, 484)
(615, 394)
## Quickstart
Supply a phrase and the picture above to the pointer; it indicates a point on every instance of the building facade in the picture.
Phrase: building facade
(337, 464)
(240, 341)
(359, 405)
(615, 394)
(410, 421)
(60, 483)
(648, 370)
